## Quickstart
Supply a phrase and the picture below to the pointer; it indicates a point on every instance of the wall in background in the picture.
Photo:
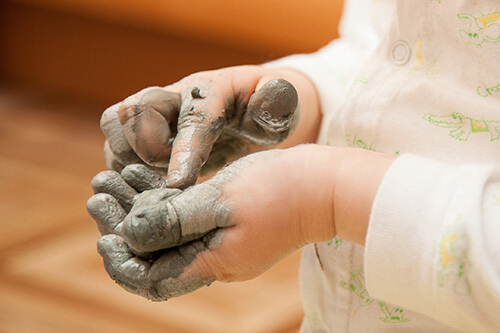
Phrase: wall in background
(106, 50)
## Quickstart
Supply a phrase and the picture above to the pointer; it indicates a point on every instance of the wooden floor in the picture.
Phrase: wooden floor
(51, 277)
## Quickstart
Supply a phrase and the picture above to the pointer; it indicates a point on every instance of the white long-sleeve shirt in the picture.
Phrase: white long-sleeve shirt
(421, 80)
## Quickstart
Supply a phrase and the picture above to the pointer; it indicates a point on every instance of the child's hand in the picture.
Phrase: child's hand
(231, 228)
(207, 118)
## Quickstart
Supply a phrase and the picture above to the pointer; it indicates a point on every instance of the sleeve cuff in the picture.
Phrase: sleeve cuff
(405, 226)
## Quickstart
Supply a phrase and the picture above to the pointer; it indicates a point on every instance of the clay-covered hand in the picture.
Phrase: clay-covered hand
(144, 263)
(206, 119)
(233, 227)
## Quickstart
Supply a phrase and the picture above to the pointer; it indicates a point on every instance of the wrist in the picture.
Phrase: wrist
(358, 176)
(315, 212)
(339, 187)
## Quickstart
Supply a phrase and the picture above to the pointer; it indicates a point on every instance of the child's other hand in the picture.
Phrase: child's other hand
(206, 119)
(231, 228)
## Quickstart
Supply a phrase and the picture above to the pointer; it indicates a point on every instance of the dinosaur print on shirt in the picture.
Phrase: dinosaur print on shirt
(356, 285)
(480, 29)
(462, 126)
(454, 263)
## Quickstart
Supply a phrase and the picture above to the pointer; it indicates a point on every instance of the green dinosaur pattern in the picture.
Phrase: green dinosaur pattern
(478, 30)
(394, 315)
(454, 260)
(359, 80)
(355, 141)
(355, 284)
(335, 240)
(461, 126)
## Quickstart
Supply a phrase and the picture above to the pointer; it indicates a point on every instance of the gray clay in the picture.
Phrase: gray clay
(165, 218)
(197, 134)
(118, 144)
(112, 183)
(112, 162)
(195, 93)
(126, 124)
(107, 213)
(143, 128)
(163, 233)
(147, 249)
(141, 178)
(155, 281)
(148, 124)
(273, 107)
(272, 113)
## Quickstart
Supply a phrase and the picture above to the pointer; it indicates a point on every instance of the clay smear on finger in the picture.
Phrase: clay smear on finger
(272, 113)
(107, 213)
(149, 124)
(141, 178)
(118, 144)
(112, 183)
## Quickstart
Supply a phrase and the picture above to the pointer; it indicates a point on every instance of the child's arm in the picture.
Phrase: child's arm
(222, 114)
(433, 242)
(431, 228)
(237, 224)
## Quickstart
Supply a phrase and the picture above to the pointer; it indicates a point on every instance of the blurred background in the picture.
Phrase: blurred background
(62, 62)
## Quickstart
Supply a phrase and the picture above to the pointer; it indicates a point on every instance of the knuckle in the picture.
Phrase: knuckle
(190, 116)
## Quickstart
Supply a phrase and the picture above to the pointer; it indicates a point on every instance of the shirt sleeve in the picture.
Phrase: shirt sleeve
(433, 243)
(331, 69)
(334, 66)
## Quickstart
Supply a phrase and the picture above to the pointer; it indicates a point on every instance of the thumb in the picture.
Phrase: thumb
(272, 113)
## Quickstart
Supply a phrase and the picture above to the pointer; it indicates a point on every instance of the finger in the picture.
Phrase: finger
(157, 281)
(199, 126)
(112, 183)
(149, 122)
(166, 271)
(118, 144)
(141, 178)
(107, 213)
(127, 270)
(272, 113)
(153, 224)
(167, 218)
(112, 162)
